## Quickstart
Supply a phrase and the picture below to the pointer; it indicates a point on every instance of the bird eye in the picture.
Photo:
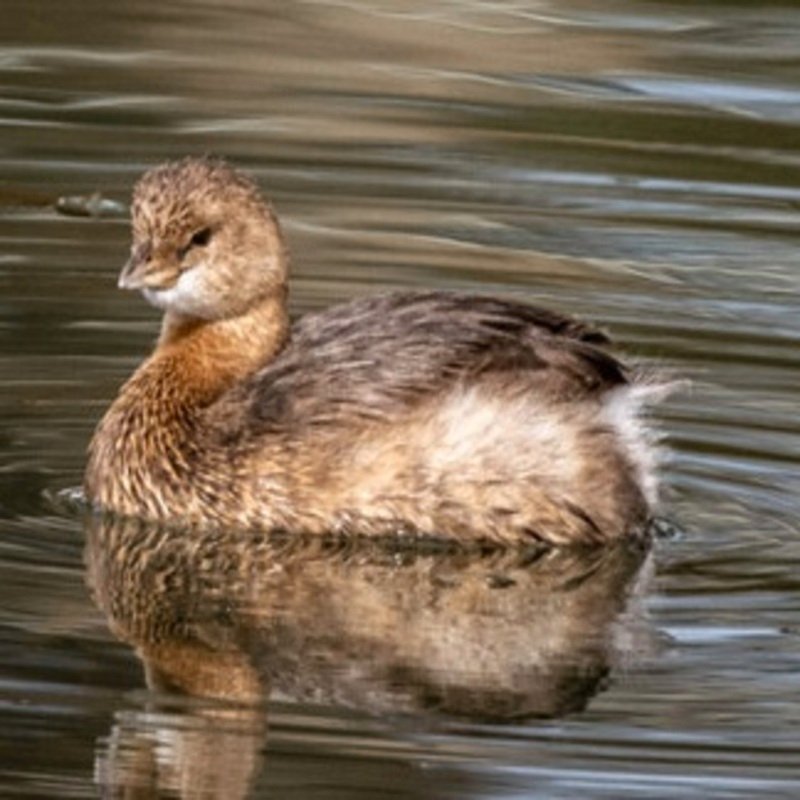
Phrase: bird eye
(201, 238)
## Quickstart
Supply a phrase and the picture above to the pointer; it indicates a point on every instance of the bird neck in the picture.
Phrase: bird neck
(210, 356)
(142, 456)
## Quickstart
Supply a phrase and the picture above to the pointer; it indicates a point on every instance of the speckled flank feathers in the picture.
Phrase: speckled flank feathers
(446, 414)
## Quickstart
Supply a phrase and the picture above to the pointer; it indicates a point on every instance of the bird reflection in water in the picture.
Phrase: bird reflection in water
(378, 628)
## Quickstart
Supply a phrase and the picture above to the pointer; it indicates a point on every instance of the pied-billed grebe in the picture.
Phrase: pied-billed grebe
(459, 416)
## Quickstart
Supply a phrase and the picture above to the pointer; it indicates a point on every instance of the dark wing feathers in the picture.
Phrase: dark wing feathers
(373, 357)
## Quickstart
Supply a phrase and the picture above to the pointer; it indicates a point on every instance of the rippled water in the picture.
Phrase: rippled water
(633, 162)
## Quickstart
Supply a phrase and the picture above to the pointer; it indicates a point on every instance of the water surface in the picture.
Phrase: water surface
(635, 163)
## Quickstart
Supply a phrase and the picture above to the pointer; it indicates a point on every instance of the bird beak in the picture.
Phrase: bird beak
(133, 273)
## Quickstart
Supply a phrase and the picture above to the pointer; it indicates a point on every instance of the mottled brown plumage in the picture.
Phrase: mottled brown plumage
(451, 415)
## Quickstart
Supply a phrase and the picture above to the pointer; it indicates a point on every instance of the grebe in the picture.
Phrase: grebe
(451, 415)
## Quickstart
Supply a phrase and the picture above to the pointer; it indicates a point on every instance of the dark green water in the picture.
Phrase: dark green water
(637, 163)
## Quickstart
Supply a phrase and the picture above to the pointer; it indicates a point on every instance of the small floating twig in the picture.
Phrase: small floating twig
(93, 205)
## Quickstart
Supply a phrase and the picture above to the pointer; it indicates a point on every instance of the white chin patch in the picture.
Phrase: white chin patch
(185, 297)
(157, 297)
